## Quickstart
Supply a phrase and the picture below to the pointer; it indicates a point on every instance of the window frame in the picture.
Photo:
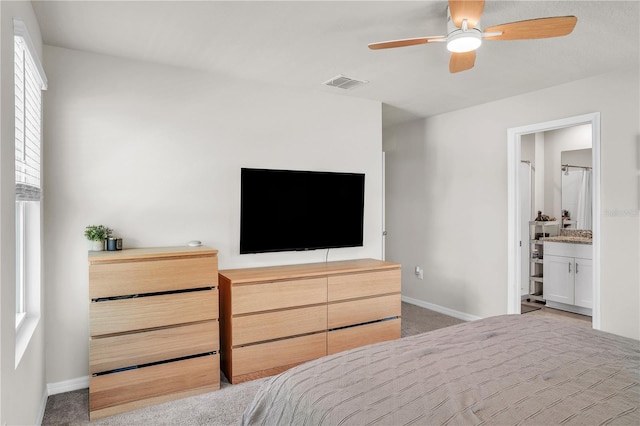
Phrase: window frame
(21, 311)
(28, 138)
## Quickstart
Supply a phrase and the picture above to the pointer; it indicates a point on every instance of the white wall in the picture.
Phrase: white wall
(447, 197)
(577, 157)
(540, 172)
(23, 388)
(155, 152)
(528, 153)
(528, 148)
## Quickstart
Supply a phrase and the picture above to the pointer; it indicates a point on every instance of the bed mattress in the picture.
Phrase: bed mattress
(510, 369)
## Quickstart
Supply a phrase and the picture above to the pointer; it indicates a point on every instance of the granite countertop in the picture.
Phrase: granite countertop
(568, 239)
(572, 236)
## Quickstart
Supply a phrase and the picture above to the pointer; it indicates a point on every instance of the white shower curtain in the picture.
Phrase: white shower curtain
(583, 216)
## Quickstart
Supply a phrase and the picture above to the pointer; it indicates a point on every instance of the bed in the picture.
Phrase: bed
(510, 369)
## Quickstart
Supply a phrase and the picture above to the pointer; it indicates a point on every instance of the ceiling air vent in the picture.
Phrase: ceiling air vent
(344, 82)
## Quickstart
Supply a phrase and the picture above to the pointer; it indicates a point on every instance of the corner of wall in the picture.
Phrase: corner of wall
(43, 407)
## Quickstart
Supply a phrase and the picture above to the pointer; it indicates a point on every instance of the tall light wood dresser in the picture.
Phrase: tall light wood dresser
(153, 326)
(273, 318)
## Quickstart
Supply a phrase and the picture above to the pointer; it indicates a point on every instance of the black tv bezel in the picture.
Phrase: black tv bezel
(360, 243)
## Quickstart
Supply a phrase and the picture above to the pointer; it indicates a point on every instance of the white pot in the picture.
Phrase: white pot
(96, 245)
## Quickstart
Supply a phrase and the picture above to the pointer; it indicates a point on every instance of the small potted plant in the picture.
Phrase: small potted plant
(97, 234)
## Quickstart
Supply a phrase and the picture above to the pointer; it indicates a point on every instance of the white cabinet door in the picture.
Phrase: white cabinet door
(584, 282)
(558, 275)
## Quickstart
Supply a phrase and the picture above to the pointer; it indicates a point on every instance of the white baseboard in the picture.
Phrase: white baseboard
(68, 385)
(456, 314)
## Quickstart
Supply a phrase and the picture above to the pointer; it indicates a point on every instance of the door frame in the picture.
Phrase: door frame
(514, 135)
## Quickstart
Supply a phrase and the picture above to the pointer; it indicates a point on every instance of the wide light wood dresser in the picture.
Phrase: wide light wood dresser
(273, 318)
(154, 331)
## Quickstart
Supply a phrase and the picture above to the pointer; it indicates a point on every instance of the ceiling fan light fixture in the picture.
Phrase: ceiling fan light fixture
(464, 41)
(464, 35)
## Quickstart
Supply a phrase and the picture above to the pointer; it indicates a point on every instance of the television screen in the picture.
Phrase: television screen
(286, 210)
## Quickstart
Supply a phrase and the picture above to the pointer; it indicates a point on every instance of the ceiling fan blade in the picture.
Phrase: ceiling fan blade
(462, 61)
(534, 28)
(462, 9)
(404, 42)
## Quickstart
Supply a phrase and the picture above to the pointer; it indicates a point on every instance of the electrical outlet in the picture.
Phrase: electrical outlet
(419, 272)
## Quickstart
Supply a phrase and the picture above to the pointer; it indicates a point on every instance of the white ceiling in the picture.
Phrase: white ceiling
(300, 44)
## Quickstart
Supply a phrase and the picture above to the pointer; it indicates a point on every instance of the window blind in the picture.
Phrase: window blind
(28, 113)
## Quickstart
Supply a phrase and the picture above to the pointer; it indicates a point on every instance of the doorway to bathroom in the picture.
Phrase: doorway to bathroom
(528, 168)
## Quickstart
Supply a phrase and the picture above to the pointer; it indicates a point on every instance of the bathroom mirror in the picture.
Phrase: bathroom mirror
(576, 177)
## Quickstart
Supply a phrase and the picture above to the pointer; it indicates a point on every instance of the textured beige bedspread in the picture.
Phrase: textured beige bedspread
(505, 370)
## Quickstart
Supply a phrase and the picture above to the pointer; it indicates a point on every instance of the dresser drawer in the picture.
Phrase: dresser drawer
(287, 352)
(131, 386)
(353, 286)
(151, 276)
(273, 325)
(341, 314)
(360, 335)
(110, 353)
(140, 313)
(278, 295)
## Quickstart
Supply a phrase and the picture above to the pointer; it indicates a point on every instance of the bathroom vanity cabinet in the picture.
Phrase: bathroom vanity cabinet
(568, 272)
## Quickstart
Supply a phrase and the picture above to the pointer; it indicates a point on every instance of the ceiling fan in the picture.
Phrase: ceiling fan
(464, 35)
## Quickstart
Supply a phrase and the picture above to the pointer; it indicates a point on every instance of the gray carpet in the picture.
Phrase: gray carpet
(416, 320)
(222, 407)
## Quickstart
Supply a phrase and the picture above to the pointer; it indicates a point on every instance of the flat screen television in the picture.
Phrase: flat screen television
(287, 210)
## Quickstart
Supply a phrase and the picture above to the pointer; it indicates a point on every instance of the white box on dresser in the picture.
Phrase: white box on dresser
(154, 333)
